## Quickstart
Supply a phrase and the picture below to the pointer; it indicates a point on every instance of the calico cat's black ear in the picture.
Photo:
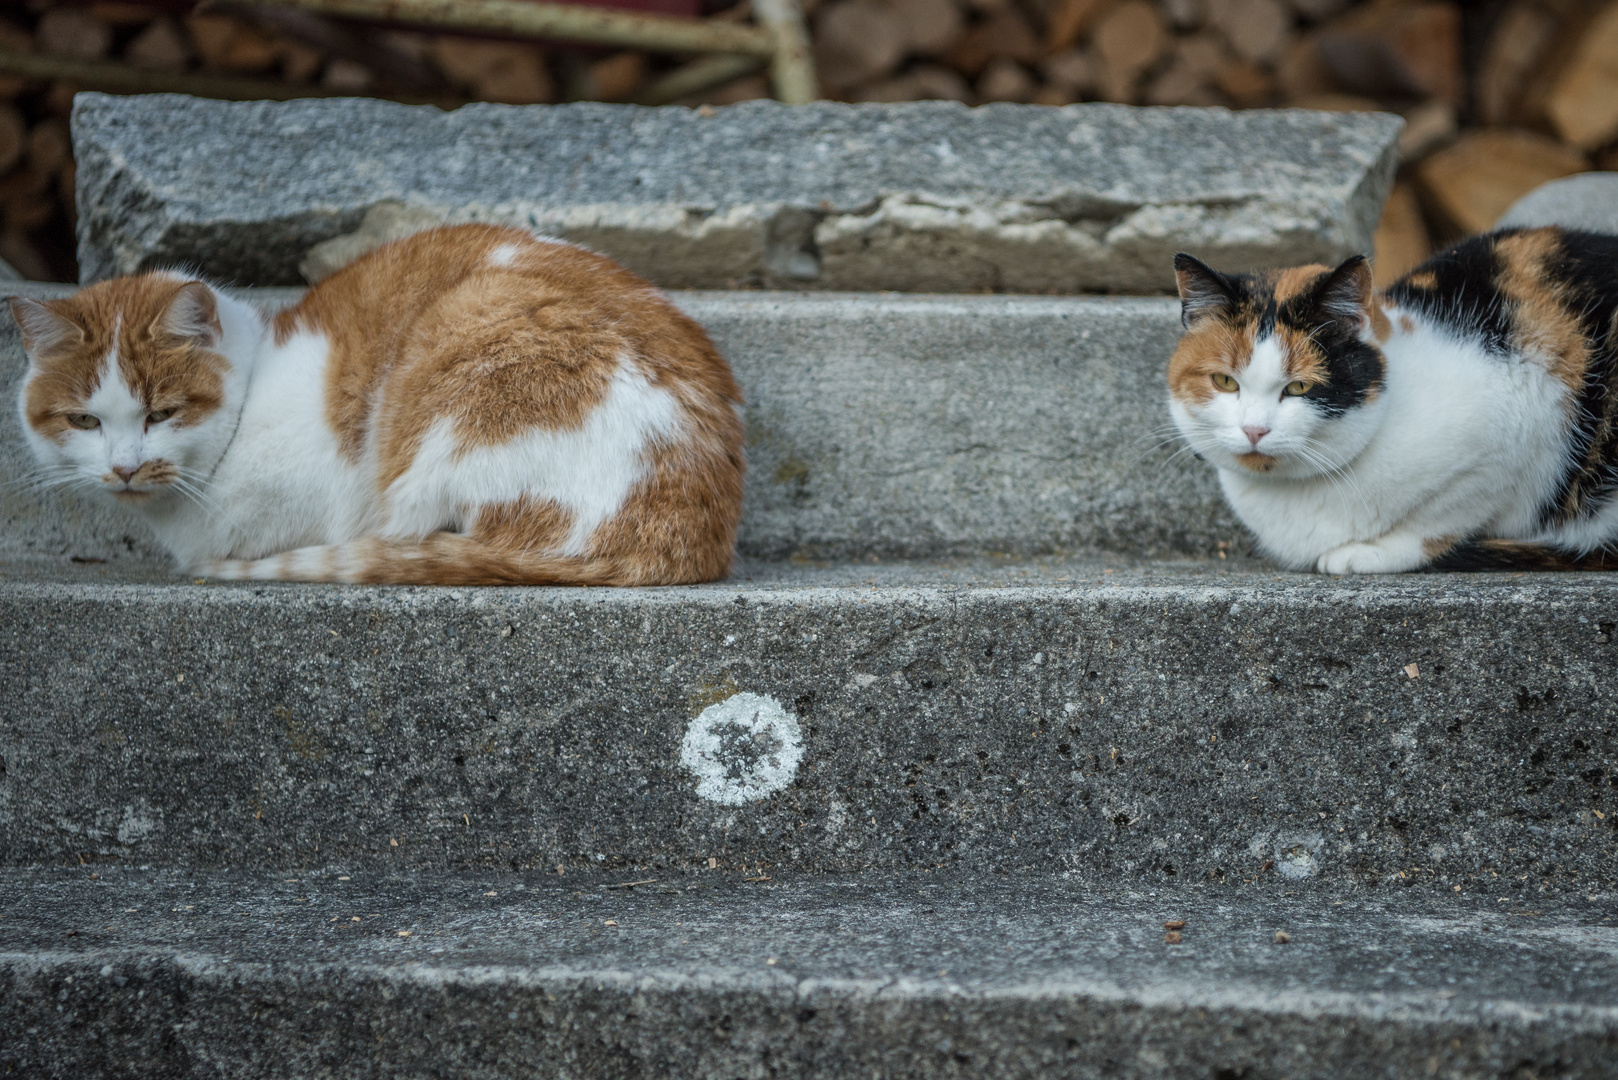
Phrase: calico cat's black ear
(1345, 293)
(1204, 291)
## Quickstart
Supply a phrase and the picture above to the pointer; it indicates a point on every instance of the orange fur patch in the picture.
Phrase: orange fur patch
(1213, 347)
(1544, 327)
(1256, 461)
(1297, 280)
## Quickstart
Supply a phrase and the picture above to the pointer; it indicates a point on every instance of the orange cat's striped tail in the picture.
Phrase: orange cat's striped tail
(439, 558)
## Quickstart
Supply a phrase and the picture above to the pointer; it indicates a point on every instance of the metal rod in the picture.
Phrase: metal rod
(594, 26)
(102, 75)
(792, 66)
(697, 76)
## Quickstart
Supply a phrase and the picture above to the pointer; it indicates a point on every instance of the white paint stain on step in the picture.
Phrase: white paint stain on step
(742, 749)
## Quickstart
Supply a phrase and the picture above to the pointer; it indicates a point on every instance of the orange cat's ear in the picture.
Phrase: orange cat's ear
(44, 331)
(1346, 291)
(1204, 292)
(192, 315)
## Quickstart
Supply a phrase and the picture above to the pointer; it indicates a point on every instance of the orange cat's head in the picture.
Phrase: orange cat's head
(1278, 373)
(127, 386)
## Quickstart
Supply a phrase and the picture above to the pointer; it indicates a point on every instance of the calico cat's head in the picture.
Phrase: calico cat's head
(126, 388)
(1278, 373)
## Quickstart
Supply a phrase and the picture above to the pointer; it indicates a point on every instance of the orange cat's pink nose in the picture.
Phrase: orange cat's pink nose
(1254, 434)
(126, 471)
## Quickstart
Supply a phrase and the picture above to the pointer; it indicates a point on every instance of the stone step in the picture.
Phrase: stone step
(340, 972)
(1154, 724)
(878, 425)
(921, 197)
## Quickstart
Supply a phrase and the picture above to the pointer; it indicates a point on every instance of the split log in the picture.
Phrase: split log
(1470, 184)
(1131, 38)
(74, 33)
(1583, 101)
(159, 47)
(1006, 33)
(1006, 80)
(1259, 30)
(1401, 242)
(857, 41)
(1070, 20)
(931, 26)
(50, 147)
(1520, 37)
(1389, 50)
(13, 136)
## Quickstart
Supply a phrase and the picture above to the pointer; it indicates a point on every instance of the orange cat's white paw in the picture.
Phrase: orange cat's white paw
(1380, 557)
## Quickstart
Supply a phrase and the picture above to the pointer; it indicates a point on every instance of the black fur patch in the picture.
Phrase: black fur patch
(1354, 369)
(1459, 289)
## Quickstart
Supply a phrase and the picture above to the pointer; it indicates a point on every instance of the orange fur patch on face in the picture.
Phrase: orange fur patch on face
(1297, 280)
(1407, 324)
(163, 371)
(155, 471)
(1213, 347)
(1544, 326)
(1303, 358)
(1256, 461)
(1426, 279)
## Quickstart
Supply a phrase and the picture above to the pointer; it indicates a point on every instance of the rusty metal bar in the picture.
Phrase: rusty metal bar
(593, 26)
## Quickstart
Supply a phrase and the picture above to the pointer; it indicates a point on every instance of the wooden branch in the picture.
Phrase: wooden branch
(792, 66)
(121, 78)
(697, 76)
(594, 26)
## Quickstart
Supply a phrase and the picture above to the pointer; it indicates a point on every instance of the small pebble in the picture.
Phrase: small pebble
(1282, 937)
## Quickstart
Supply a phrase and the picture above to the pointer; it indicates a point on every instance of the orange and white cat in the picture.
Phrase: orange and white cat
(470, 405)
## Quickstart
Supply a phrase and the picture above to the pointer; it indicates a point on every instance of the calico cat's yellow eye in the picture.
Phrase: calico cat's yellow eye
(159, 416)
(1225, 383)
(84, 421)
(1296, 388)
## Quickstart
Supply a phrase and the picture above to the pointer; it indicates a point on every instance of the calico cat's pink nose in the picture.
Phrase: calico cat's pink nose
(124, 472)
(1254, 434)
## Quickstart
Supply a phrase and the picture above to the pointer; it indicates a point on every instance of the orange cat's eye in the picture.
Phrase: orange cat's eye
(159, 416)
(1296, 388)
(83, 421)
(1225, 383)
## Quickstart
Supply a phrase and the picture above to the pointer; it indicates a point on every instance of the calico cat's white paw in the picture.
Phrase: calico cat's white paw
(1365, 559)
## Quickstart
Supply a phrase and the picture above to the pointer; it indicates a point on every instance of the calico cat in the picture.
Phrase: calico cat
(1465, 417)
(470, 405)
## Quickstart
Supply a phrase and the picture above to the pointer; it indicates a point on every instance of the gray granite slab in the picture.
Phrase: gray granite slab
(927, 196)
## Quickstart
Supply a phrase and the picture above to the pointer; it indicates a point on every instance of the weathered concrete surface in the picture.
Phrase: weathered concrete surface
(1169, 725)
(926, 196)
(876, 425)
(1588, 201)
(176, 976)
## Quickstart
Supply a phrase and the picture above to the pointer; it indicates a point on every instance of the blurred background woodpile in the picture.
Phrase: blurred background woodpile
(1499, 96)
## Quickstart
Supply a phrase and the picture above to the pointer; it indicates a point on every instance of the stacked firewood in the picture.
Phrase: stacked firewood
(1498, 98)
